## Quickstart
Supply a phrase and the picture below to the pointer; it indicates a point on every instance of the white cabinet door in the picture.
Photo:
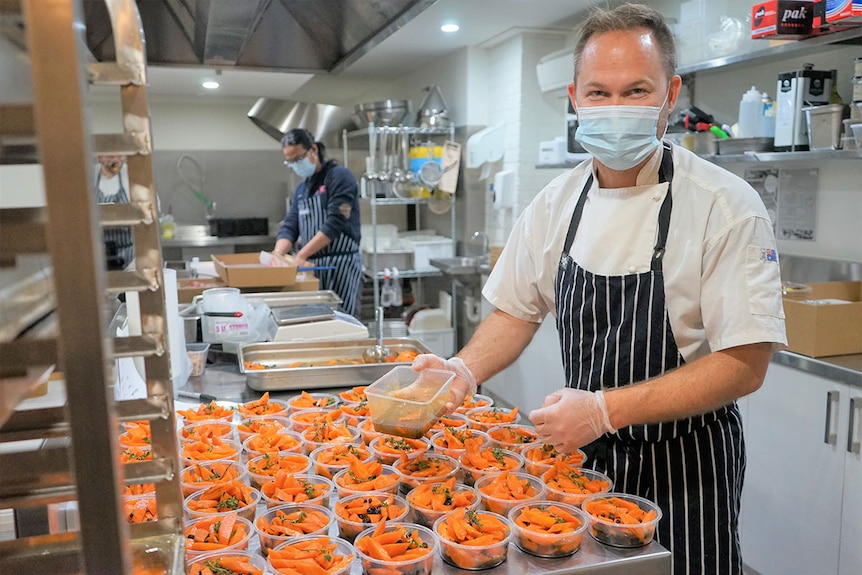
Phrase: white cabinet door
(794, 479)
(850, 561)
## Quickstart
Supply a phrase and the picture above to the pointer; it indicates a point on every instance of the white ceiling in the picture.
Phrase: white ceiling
(482, 22)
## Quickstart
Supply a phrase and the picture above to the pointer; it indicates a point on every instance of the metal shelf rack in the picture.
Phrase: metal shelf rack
(69, 230)
(372, 183)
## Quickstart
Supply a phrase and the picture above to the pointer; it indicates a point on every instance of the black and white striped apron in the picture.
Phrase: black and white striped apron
(117, 240)
(343, 253)
(614, 331)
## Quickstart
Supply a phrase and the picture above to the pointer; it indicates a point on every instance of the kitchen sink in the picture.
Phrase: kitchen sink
(460, 265)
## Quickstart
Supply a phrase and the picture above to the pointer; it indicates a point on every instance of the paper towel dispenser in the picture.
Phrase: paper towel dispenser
(486, 146)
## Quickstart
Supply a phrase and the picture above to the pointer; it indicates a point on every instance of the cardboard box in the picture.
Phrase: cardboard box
(305, 281)
(783, 19)
(245, 270)
(826, 329)
(188, 288)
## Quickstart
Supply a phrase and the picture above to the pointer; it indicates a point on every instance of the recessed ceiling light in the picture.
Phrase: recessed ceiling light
(450, 28)
(210, 85)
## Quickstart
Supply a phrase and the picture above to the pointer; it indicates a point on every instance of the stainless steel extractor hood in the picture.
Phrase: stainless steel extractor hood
(310, 36)
(277, 117)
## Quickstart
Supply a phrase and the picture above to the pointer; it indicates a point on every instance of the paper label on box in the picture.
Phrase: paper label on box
(827, 301)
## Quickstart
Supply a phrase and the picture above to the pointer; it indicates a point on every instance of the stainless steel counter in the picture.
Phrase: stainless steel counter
(207, 241)
(843, 368)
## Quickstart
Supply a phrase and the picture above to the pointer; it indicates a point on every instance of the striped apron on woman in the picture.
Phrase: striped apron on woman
(117, 240)
(614, 331)
(343, 254)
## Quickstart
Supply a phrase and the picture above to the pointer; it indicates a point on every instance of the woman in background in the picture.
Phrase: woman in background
(322, 223)
(112, 187)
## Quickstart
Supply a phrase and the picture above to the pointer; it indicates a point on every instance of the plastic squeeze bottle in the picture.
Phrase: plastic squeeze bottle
(750, 114)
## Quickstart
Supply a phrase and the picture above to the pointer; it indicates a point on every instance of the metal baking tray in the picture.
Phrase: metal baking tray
(282, 354)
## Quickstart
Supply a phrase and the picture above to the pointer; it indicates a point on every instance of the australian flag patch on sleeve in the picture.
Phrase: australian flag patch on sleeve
(769, 255)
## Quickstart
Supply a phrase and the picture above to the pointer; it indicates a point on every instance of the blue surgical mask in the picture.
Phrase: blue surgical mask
(303, 167)
(620, 137)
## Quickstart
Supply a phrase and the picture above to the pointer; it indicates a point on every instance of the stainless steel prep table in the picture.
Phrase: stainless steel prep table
(225, 382)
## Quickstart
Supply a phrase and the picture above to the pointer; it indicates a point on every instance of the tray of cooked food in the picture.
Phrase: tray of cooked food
(273, 366)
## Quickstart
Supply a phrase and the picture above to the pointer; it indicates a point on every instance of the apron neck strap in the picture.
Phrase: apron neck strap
(665, 175)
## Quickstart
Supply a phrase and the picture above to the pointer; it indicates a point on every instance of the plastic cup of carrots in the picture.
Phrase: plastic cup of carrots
(474, 402)
(140, 508)
(136, 436)
(453, 420)
(367, 431)
(622, 520)
(354, 395)
(451, 440)
(204, 474)
(540, 458)
(296, 488)
(217, 533)
(221, 499)
(248, 426)
(430, 501)
(205, 430)
(139, 489)
(355, 412)
(572, 485)
(306, 400)
(211, 410)
(477, 461)
(514, 437)
(263, 468)
(319, 555)
(389, 448)
(302, 420)
(263, 406)
(227, 563)
(272, 440)
(473, 540)
(134, 454)
(325, 433)
(331, 458)
(499, 493)
(425, 468)
(548, 529)
(356, 513)
(394, 548)
(209, 450)
(286, 522)
(362, 477)
(484, 418)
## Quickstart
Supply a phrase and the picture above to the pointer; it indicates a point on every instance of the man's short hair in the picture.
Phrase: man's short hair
(629, 17)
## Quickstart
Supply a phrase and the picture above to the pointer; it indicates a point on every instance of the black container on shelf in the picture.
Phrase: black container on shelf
(231, 227)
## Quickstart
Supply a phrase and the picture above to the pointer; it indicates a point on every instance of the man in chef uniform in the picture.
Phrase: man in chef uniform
(662, 272)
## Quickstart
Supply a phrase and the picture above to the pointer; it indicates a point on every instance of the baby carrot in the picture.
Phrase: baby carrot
(287, 488)
(239, 565)
(210, 410)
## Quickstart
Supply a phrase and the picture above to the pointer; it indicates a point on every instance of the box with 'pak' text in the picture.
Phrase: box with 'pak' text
(784, 18)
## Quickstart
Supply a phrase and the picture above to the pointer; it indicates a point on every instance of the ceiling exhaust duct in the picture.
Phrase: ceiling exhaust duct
(277, 117)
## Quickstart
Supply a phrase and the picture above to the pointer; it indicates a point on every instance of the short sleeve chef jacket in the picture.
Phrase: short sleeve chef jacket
(721, 274)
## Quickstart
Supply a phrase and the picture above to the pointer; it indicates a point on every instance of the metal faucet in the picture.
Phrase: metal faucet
(482, 239)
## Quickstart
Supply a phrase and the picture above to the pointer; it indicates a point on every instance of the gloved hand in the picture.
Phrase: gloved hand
(572, 418)
(464, 383)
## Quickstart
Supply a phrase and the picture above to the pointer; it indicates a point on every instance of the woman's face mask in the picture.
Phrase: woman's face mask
(620, 137)
(303, 167)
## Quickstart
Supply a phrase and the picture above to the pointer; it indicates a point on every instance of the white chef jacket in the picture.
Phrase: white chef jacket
(721, 274)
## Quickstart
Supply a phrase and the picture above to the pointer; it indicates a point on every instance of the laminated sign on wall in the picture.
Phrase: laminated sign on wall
(790, 197)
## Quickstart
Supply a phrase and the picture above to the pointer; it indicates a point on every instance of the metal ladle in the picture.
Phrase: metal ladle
(377, 353)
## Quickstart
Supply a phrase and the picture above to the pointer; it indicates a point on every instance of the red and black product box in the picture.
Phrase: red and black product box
(775, 19)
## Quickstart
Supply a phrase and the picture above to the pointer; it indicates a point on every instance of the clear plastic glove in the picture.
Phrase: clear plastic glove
(572, 418)
(464, 383)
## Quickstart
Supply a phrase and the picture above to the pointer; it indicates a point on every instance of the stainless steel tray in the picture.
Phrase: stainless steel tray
(282, 354)
(288, 299)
